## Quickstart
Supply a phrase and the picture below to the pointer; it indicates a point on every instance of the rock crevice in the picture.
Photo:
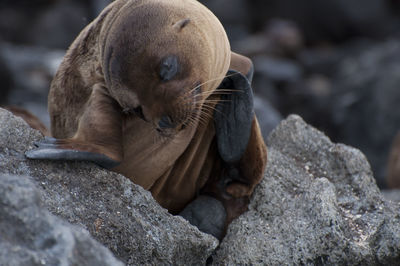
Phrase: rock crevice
(318, 204)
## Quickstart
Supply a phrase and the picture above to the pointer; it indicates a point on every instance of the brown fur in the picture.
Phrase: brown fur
(111, 67)
(393, 177)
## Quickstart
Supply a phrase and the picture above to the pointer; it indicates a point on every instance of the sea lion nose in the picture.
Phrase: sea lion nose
(166, 122)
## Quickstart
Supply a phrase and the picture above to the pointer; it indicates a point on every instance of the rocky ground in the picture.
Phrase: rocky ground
(318, 204)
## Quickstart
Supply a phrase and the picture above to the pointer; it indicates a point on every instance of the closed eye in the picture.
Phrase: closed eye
(169, 67)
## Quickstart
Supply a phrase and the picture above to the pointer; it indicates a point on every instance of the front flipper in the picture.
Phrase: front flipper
(54, 149)
(234, 116)
(98, 138)
(240, 144)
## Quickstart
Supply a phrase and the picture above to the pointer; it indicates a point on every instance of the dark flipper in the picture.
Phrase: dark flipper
(53, 149)
(206, 213)
(233, 117)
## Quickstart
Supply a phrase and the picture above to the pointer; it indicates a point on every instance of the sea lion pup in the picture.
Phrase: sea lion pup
(150, 89)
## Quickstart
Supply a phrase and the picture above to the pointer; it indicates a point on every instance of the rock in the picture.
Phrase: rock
(50, 23)
(277, 69)
(280, 38)
(268, 118)
(233, 15)
(391, 195)
(32, 69)
(30, 235)
(119, 214)
(330, 20)
(286, 35)
(321, 60)
(311, 99)
(318, 204)
(365, 102)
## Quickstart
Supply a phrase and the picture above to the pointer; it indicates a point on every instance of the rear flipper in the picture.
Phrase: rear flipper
(206, 213)
(98, 138)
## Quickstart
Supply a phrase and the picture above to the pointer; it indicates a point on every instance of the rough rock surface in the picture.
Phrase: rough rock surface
(30, 235)
(318, 204)
(392, 195)
(116, 212)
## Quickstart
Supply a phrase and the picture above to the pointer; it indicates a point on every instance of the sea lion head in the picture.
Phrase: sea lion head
(162, 59)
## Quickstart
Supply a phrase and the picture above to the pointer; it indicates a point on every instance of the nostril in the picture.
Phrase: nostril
(166, 122)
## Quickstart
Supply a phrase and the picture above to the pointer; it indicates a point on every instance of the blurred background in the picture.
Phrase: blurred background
(336, 63)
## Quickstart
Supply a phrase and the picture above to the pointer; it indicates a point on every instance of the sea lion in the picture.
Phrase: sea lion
(151, 89)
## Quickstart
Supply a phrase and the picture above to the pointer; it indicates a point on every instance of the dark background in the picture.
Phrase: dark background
(334, 62)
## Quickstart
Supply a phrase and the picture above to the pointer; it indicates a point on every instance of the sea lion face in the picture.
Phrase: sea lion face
(163, 63)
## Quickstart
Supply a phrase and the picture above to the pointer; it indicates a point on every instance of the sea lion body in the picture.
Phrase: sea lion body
(136, 93)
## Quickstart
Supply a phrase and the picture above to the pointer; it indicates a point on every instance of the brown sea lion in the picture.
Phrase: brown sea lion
(150, 89)
(393, 168)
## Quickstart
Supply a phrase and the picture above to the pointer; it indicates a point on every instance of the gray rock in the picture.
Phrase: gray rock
(116, 212)
(318, 204)
(277, 69)
(30, 235)
(268, 117)
(365, 102)
(32, 69)
(280, 38)
(330, 20)
(233, 15)
(392, 195)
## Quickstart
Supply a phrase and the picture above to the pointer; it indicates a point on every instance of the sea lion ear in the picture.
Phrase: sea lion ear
(233, 116)
(181, 24)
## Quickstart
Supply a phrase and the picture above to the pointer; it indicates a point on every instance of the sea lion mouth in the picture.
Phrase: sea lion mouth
(167, 132)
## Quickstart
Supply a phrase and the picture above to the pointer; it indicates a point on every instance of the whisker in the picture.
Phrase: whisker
(211, 80)
(217, 101)
(212, 109)
(203, 110)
